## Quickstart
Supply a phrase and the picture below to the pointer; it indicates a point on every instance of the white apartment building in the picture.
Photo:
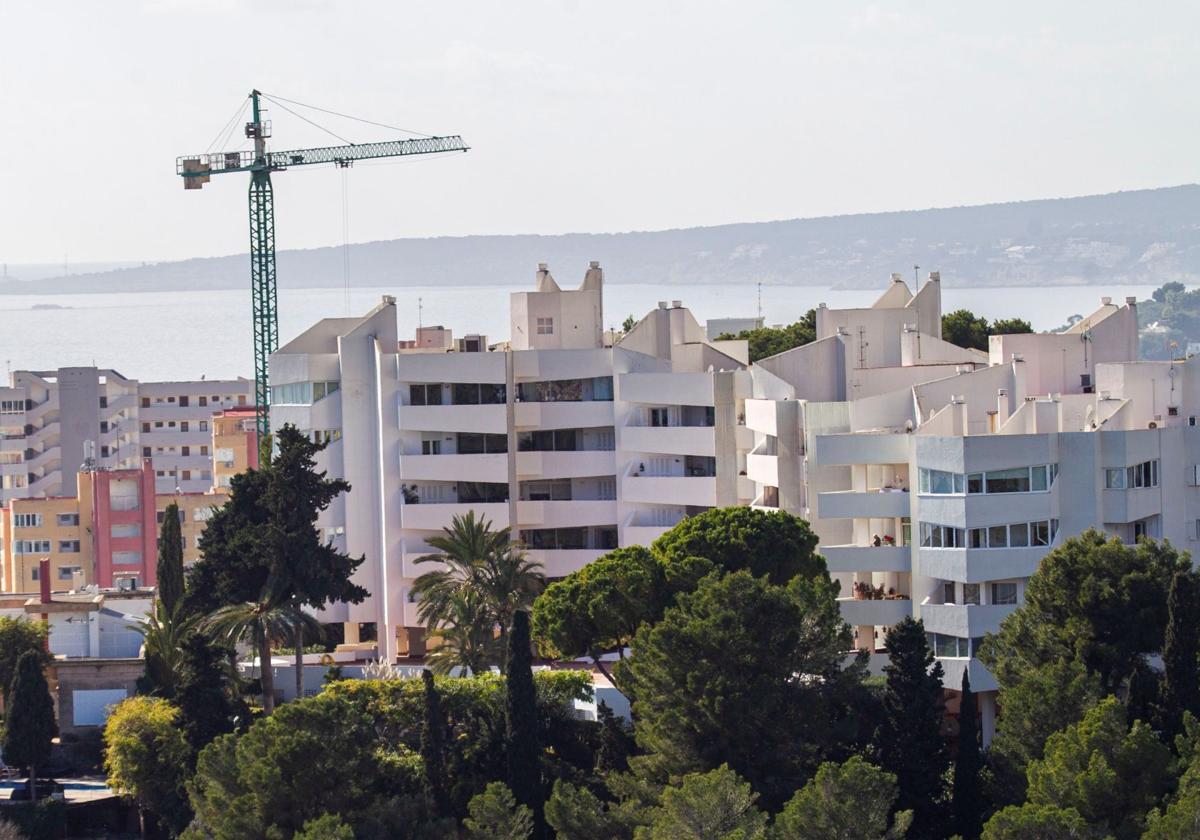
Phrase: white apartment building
(938, 478)
(47, 416)
(578, 444)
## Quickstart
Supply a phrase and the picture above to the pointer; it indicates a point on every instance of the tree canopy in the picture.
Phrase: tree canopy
(771, 341)
(19, 636)
(29, 726)
(146, 756)
(848, 801)
(971, 331)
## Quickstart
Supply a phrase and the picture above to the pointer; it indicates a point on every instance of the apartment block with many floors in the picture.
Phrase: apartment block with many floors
(105, 534)
(938, 478)
(575, 443)
(46, 416)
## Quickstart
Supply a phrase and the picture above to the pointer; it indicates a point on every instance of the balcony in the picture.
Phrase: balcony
(884, 613)
(862, 448)
(856, 504)
(564, 415)
(454, 418)
(560, 562)
(964, 620)
(1131, 505)
(763, 469)
(435, 517)
(488, 467)
(978, 565)
(46, 485)
(666, 388)
(762, 416)
(867, 558)
(696, 491)
(580, 463)
(566, 514)
(952, 670)
(669, 440)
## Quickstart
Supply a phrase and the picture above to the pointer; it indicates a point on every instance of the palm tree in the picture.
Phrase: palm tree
(465, 638)
(270, 618)
(163, 635)
(484, 561)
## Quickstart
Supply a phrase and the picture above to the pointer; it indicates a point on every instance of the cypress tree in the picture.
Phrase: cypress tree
(1180, 688)
(911, 743)
(968, 798)
(30, 726)
(170, 560)
(208, 706)
(523, 752)
(433, 747)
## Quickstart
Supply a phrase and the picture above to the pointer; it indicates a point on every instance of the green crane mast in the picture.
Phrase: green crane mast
(260, 163)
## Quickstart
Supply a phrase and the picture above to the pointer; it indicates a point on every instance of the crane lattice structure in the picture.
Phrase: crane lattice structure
(260, 163)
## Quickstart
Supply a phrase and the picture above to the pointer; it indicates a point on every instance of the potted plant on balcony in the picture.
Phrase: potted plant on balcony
(860, 591)
(889, 540)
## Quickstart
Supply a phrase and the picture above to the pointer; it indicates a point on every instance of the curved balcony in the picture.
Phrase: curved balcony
(435, 517)
(978, 565)
(858, 504)
(669, 440)
(483, 467)
(883, 613)
(964, 620)
(866, 558)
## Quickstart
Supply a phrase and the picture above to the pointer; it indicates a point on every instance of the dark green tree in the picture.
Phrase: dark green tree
(170, 560)
(434, 733)
(1094, 599)
(29, 725)
(771, 341)
(497, 814)
(1180, 688)
(1110, 773)
(910, 743)
(1043, 822)
(849, 801)
(1168, 290)
(717, 805)
(209, 704)
(966, 329)
(743, 673)
(616, 742)
(522, 749)
(968, 801)
(628, 324)
(775, 544)
(19, 636)
(1009, 326)
(597, 609)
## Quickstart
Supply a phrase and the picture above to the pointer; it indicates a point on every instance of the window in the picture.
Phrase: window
(948, 646)
(1018, 535)
(132, 529)
(12, 406)
(1114, 479)
(126, 558)
(480, 444)
(103, 427)
(185, 451)
(998, 536)
(68, 546)
(145, 402)
(660, 417)
(1007, 481)
(103, 451)
(203, 400)
(939, 482)
(68, 572)
(971, 593)
(204, 450)
(202, 514)
(545, 326)
(942, 536)
(1004, 593)
(35, 573)
(431, 447)
(66, 519)
(183, 425)
(27, 520)
(104, 402)
(31, 546)
(302, 393)
(425, 394)
(567, 390)
(183, 401)
(204, 425)
(948, 593)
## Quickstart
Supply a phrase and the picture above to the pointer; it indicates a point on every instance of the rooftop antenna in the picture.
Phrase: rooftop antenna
(916, 277)
(420, 312)
(760, 299)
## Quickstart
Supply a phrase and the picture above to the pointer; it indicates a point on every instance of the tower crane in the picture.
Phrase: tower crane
(260, 163)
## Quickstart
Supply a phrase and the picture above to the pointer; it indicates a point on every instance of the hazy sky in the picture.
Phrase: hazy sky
(583, 116)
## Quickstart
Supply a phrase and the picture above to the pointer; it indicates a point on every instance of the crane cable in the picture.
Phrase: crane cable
(275, 98)
(307, 120)
(223, 135)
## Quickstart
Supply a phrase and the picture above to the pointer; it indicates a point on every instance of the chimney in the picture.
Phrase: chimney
(935, 277)
(896, 278)
(44, 579)
(1001, 408)
(1106, 301)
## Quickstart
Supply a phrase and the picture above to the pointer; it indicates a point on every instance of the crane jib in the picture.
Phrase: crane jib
(194, 166)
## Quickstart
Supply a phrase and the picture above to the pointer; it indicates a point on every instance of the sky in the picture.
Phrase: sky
(582, 116)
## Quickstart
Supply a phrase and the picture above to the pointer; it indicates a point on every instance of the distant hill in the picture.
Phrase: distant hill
(1137, 237)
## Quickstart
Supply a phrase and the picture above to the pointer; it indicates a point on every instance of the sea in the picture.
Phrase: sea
(163, 336)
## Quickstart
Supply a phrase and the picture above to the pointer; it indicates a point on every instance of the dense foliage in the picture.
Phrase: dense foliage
(29, 726)
(147, 757)
(19, 636)
(971, 331)
(771, 341)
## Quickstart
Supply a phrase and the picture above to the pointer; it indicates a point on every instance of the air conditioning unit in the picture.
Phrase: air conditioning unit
(1173, 411)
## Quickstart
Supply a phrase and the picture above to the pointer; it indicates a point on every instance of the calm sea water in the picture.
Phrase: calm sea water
(185, 335)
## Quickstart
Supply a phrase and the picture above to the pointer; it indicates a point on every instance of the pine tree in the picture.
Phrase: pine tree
(29, 727)
(968, 798)
(911, 744)
(612, 755)
(1180, 687)
(433, 747)
(170, 560)
(524, 754)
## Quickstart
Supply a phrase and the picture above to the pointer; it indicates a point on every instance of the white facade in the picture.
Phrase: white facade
(578, 446)
(47, 416)
(938, 479)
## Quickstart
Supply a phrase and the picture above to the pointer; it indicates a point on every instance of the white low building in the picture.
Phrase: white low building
(938, 478)
(578, 445)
